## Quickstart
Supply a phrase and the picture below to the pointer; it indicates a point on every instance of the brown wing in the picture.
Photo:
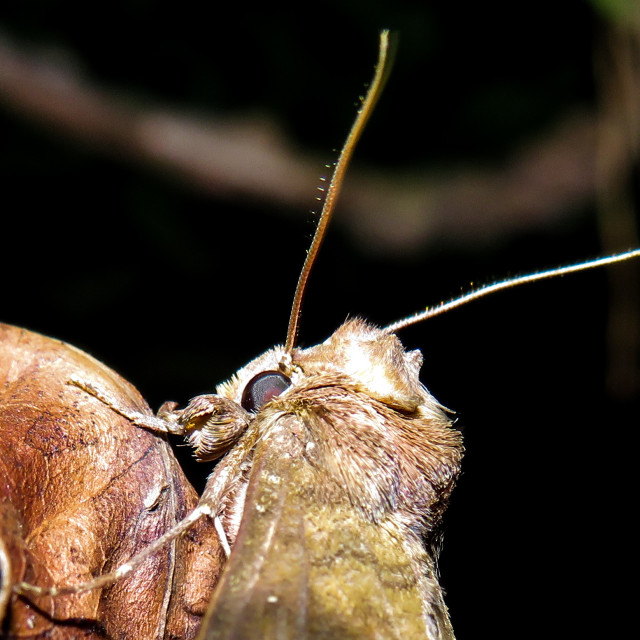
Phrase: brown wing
(307, 567)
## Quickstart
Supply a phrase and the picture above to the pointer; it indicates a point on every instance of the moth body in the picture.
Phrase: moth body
(333, 512)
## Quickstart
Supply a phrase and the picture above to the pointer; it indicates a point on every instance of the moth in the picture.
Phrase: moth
(334, 468)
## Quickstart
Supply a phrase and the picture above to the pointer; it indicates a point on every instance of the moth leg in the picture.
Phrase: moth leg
(211, 423)
(222, 535)
(26, 589)
(230, 467)
(164, 424)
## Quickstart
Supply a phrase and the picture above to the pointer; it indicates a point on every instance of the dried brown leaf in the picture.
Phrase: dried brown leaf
(83, 490)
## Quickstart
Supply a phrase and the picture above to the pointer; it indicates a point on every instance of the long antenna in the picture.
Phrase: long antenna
(443, 307)
(381, 72)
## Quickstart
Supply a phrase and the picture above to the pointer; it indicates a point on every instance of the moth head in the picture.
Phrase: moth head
(376, 362)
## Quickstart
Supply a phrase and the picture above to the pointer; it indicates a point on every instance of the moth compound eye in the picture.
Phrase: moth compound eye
(262, 388)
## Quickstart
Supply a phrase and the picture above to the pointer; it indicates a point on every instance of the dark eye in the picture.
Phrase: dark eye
(262, 388)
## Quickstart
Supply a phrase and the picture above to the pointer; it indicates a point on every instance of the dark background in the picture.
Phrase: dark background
(176, 288)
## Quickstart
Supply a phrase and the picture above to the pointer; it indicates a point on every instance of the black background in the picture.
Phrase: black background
(176, 289)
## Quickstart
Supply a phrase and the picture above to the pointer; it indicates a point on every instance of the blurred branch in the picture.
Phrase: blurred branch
(617, 71)
(542, 183)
